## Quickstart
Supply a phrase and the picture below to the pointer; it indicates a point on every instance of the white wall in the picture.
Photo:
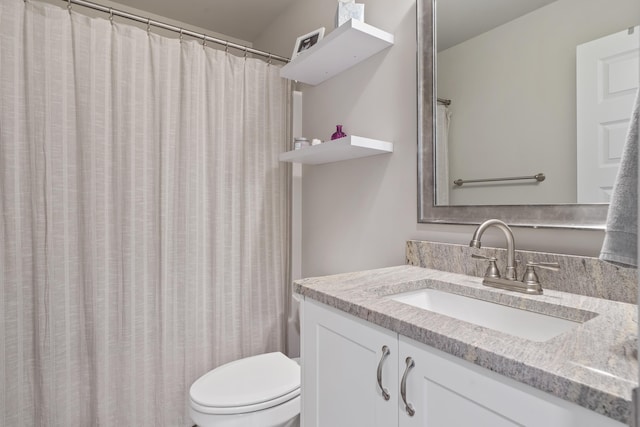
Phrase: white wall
(358, 214)
(514, 100)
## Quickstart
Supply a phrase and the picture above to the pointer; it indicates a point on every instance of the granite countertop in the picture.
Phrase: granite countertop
(593, 365)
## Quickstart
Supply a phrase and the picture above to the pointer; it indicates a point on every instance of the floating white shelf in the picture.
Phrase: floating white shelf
(349, 147)
(344, 47)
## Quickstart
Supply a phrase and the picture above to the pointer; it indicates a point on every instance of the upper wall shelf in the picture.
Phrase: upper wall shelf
(349, 147)
(344, 47)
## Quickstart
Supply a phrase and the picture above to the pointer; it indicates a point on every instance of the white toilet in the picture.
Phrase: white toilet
(258, 391)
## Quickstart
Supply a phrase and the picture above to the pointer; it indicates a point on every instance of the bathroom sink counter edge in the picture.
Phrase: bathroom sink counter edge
(593, 365)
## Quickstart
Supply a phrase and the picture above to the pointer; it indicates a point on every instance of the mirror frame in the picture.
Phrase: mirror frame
(579, 216)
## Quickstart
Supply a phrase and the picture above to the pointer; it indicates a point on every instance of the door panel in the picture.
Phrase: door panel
(445, 407)
(607, 81)
(340, 360)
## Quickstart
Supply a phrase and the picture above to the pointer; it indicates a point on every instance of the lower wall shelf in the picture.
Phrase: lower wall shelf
(349, 147)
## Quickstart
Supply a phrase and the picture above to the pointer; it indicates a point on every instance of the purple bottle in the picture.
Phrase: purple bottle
(338, 133)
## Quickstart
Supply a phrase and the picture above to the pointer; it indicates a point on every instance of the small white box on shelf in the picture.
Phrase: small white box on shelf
(349, 10)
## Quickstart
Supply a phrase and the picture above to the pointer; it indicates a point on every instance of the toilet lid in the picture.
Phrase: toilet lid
(248, 382)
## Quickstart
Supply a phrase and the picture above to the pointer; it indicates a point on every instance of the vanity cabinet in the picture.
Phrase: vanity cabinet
(341, 355)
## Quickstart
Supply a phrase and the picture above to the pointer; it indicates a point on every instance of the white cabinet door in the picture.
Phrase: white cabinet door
(447, 391)
(340, 359)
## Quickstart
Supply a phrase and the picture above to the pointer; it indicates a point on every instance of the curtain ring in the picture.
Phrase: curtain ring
(181, 35)
(226, 47)
(111, 15)
(269, 60)
(69, 5)
(148, 25)
(246, 49)
(204, 40)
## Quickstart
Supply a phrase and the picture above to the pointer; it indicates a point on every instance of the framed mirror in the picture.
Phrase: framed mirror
(506, 113)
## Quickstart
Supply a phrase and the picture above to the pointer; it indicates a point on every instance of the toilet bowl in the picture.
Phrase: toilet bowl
(257, 391)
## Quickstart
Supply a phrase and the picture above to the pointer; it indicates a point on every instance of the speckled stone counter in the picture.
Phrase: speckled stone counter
(593, 365)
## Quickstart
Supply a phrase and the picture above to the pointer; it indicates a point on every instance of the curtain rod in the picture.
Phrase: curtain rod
(151, 22)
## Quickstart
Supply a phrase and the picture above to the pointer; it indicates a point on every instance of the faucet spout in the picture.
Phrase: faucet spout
(510, 273)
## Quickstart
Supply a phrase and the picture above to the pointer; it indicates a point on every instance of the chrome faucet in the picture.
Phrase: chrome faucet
(510, 273)
(529, 283)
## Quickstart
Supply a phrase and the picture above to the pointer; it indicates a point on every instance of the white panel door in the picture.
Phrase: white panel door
(606, 83)
(446, 391)
(340, 359)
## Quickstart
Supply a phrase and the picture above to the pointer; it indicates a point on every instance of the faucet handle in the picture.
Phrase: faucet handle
(492, 269)
(488, 258)
(531, 278)
(554, 266)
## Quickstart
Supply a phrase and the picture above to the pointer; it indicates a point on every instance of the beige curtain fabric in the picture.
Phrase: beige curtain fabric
(443, 180)
(144, 218)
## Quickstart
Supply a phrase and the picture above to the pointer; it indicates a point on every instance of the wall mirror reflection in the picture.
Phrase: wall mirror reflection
(541, 90)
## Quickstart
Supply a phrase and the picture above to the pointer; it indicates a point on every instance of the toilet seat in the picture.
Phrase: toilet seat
(247, 385)
(214, 410)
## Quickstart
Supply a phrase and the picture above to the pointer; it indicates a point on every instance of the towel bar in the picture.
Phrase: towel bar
(538, 177)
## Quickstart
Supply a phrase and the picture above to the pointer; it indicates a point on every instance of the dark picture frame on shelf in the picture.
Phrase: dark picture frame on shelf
(306, 41)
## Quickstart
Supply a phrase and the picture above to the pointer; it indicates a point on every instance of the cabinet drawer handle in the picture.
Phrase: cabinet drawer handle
(403, 387)
(385, 353)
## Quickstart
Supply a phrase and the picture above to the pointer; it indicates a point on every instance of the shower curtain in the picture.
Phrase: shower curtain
(442, 178)
(144, 218)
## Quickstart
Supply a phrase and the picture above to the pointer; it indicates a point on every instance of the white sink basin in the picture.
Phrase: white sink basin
(512, 321)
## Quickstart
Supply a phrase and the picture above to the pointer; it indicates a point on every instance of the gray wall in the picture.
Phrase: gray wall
(358, 214)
